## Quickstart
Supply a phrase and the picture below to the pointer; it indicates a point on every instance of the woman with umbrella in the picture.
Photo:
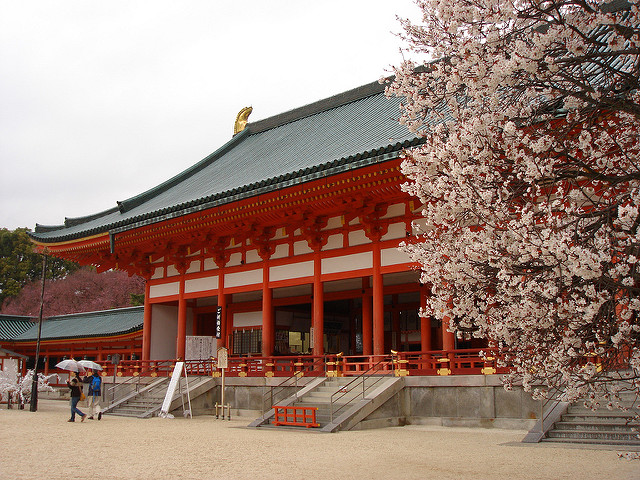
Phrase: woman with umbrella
(74, 385)
(95, 383)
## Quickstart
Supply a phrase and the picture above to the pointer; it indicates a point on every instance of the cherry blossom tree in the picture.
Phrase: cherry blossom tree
(81, 291)
(529, 176)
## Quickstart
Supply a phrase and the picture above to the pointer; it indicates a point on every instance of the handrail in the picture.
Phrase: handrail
(133, 379)
(269, 394)
(360, 378)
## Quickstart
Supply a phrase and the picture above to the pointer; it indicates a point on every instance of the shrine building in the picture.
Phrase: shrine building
(283, 241)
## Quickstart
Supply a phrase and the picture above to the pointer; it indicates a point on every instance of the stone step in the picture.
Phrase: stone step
(603, 435)
(594, 418)
(600, 425)
(589, 441)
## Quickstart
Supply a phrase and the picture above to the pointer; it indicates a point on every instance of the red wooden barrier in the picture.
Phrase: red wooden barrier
(296, 415)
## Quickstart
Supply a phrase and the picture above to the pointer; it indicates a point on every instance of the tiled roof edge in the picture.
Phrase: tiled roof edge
(338, 100)
(133, 202)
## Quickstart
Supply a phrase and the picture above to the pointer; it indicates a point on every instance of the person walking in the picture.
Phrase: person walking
(76, 392)
(93, 399)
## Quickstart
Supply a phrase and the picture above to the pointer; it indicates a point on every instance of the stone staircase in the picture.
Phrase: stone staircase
(341, 402)
(147, 402)
(602, 426)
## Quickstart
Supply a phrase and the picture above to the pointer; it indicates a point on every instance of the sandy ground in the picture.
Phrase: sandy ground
(43, 445)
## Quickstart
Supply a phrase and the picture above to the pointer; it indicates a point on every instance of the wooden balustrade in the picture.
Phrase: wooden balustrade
(437, 362)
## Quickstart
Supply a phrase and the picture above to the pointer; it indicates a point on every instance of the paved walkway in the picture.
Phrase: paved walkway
(43, 445)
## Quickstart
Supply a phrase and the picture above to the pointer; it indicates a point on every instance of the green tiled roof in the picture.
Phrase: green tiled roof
(91, 324)
(350, 130)
(13, 325)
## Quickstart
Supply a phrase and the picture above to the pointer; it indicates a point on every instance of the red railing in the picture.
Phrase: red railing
(297, 415)
(456, 362)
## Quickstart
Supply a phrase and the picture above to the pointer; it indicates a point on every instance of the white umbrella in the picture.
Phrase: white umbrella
(70, 365)
(90, 364)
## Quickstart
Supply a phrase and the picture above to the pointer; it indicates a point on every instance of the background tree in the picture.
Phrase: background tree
(19, 264)
(530, 179)
(81, 291)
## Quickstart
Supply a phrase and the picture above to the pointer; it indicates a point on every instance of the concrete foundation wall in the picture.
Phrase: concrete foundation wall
(477, 401)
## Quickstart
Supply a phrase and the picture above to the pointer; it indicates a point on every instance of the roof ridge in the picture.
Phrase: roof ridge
(350, 96)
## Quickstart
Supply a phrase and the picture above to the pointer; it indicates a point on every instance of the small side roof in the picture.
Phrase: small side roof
(90, 324)
(13, 325)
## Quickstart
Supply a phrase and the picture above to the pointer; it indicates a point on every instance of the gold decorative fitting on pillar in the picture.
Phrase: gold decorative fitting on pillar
(241, 119)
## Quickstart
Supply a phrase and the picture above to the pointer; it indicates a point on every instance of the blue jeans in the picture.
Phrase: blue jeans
(75, 409)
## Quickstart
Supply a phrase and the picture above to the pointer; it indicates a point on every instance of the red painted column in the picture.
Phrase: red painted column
(181, 337)
(425, 323)
(268, 323)
(146, 325)
(396, 334)
(318, 307)
(448, 338)
(378, 302)
(367, 321)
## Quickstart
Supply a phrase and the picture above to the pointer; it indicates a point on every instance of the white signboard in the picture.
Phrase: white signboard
(175, 378)
(199, 348)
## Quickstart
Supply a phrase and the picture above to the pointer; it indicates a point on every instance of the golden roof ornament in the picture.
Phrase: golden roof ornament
(241, 119)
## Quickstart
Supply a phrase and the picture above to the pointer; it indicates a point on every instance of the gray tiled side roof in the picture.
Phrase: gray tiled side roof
(91, 324)
(13, 325)
(351, 129)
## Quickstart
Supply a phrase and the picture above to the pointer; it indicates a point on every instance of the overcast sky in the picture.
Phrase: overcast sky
(100, 101)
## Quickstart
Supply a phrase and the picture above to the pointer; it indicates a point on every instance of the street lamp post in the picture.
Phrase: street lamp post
(34, 385)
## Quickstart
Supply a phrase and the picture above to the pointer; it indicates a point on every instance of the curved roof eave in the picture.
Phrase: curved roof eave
(329, 168)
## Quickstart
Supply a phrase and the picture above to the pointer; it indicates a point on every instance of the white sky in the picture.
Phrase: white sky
(100, 101)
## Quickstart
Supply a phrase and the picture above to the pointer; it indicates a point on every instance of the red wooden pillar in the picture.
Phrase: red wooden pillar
(448, 338)
(378, 302)
(396, 337)
(425, 322)
(268, 322)
(318, 307)
(146, 325)
(181, 338)
(367, 327)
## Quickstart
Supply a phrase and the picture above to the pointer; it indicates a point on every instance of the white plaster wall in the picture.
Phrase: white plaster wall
(164, 329)
(334, 241)
(247, 319)
(300, 248)
(393, 256)
(158, 272)
(281, 251)
(358, 237)
(235, 259)
(395, 210)
(396, 230)
(201, 284)
(242, 278)
(172, 271)
(346, 263)
(252, 256)
(284, 272)
(194, 266)
(164, 289)
(333, 222)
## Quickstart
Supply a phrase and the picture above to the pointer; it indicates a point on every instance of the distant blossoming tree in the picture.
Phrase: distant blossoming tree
(530, 182)
(81, 291)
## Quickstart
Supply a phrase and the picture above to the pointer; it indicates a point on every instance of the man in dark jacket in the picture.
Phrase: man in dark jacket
(93, 397)
(76, 391)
